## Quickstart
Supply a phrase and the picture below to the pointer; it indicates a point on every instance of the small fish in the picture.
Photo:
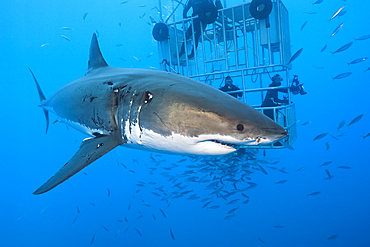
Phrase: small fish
(246, 201)
(358, 118)
(164, 215)
(281, 181)
(233, 202)
(278, 226)
(127, 228)
(324, 48)
(343, 134)
(326, 163)
(314, 193)
(294, 57)
(206, 204)
(359, 60)
(336, 30)
(126, 219)
(92, 240)
(363, 37)
(142, 5)
(67, 28)
(129, 206)
(306, 123)
(153, 216)
(120, 221)
(119, 229)
(138, 232)
(335, 236)
(304, 24)
(229, 217)
(329, 175)
(105, 229)
(92, 204)
(310, 12)
(108, 192)
(123, 2)
(338, 11)
(131, 171)
(261, 168)
(75, 219)
(119, 45)
(142, 16)
(245, 195)
(122, 59)
(78, 210)
(65, 37)
(334, 137)
(318, 67)
(139, 217)
(327, 146)
(367, 69)
(343, 48)
(301, 168)
(44, 209)
(366, 136)
(320, 136)
(44, 44)
(283, 170)
(84, 17)
(136, 58)
(149, 55)
(173, 237)
(97, 33)
(260, 239)
(344, 167)
(232, 210)
(213, 207)
(342, 75)
(341, 125)
(156, 194)
(318, 2)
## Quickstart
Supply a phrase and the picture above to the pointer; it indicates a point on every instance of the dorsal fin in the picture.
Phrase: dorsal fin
(96, 59)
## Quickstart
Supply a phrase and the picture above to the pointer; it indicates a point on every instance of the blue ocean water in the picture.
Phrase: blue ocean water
(104, 206)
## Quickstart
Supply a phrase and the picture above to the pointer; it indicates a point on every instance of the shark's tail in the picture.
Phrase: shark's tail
(42, 98)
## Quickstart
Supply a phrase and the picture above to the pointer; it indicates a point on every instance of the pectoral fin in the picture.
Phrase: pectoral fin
(90, 150)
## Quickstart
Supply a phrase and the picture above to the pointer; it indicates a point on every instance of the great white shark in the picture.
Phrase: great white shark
(151, 110)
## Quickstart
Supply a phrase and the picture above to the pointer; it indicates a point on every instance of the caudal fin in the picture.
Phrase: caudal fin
(42, 98)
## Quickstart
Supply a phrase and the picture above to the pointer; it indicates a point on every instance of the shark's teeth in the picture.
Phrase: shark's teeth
(225, 143)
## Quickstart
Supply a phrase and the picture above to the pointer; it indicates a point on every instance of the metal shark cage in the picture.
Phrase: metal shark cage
(246, 48)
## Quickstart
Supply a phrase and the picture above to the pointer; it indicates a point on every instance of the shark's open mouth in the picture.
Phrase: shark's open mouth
(225, 144)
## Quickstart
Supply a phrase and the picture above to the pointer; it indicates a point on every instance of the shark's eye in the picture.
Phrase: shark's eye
(240, 127)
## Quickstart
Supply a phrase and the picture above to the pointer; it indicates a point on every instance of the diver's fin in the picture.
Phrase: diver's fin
(91, 149)
(42, 98)
(96, 59)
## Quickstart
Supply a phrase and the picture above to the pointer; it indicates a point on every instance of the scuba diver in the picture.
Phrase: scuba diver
(207, 14)
(272, 99)
(229, 86)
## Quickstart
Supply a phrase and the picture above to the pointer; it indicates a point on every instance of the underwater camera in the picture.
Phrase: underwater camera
(297, 88)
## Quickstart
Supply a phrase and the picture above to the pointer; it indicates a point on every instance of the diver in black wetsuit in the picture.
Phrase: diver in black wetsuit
(206, 12)
(272, 99)
(229, 86)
